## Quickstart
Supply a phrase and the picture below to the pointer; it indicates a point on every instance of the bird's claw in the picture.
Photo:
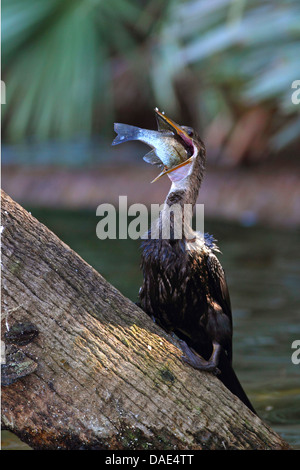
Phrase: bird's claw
(216, 371)
(199, 365)
(196, 361)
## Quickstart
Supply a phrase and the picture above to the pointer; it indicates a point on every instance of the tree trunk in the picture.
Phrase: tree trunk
(100, 374)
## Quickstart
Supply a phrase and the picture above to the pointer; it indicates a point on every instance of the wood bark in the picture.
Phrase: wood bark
(105, 376)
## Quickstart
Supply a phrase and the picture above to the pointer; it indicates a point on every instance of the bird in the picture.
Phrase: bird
(184, 288)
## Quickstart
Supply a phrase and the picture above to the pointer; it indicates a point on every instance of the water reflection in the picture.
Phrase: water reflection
(263, 272)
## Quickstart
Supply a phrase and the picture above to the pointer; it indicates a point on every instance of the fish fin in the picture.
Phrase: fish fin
(125, 133)
(152, 158)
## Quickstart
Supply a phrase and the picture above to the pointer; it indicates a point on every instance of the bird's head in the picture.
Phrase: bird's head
(190, 140)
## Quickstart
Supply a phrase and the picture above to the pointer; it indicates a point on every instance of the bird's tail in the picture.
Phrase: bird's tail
(230, 380)
(125, 133)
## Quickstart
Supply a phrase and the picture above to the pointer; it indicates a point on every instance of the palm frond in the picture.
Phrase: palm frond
(247, 50)
(57, 63)
(63, 61)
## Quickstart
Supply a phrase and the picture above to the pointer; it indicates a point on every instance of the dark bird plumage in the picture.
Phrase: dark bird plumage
(184, 287)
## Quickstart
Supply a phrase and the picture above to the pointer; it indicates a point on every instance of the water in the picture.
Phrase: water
(263, 272)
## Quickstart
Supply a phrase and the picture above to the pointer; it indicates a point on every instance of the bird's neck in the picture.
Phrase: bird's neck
(183, 195)
(186, 191)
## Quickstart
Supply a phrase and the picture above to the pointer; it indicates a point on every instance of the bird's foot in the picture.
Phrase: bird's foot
(196, 361)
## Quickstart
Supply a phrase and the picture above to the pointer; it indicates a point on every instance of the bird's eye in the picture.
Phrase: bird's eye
(189, 131)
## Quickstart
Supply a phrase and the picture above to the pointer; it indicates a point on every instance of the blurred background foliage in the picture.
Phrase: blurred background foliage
(74, 67)
(226, 67)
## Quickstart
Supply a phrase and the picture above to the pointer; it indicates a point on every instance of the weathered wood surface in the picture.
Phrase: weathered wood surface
(107, 377)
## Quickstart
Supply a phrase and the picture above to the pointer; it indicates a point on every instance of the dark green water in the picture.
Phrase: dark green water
(263, 274)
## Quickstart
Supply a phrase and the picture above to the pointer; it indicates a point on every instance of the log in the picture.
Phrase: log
(88, 369)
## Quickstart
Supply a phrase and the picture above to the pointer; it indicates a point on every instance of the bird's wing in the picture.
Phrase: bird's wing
(218, 284)
(220, 294)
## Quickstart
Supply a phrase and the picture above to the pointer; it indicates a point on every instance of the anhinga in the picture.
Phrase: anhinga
(184, 287)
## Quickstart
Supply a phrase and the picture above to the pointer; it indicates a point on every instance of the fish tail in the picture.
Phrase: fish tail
(125, 133)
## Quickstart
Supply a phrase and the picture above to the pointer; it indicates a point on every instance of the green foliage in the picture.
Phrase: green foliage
(57, 62)
(62, 61)
(241, 52)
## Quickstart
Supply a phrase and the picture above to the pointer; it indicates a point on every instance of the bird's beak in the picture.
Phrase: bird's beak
(166, 123)
(177, 167)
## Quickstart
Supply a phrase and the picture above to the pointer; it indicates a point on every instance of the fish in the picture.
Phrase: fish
(166, 150)
(171, 145)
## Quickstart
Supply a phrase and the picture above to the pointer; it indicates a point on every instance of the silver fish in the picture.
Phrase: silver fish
(172, 146)
(165, 146)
